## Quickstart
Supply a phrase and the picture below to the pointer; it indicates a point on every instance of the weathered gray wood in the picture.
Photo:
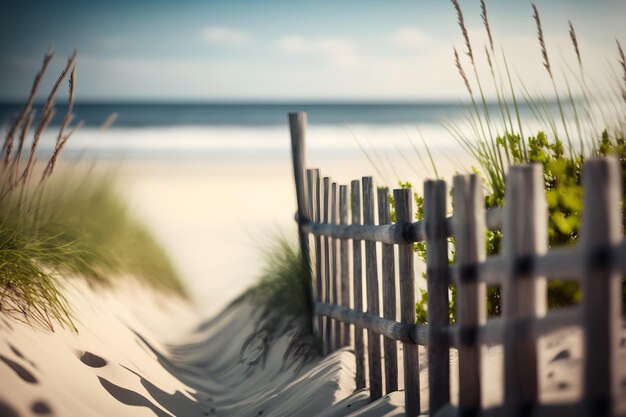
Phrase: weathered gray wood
(373, 233)
(310, 176)
(334, 271)
(524, 233)
(391, 233)
(602, 286)
(470, 247)
(297, 123)
(327, 264)
(344, 263)
(389, 295)
(357, 280)
(404, 215)
(319, 287)
(373, 298)
(437, 279)
(494, 218)
(493, 331)
(414, 334)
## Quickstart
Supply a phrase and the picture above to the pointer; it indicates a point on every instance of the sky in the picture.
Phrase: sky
(316, 50)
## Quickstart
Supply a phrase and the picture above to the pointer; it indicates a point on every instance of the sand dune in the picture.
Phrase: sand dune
(141, 354)
(122, 362)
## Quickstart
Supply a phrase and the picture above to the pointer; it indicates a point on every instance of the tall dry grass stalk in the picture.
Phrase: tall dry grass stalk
(7, 147)
(459, 67)
(542, 41)
(485, 18)
(546, 64)
(574, 39)
(11, 172)
(622, 62)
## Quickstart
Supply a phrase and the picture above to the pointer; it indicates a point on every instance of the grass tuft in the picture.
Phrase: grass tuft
(281, 298)
(70, 224)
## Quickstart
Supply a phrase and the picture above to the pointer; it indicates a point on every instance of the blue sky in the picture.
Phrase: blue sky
(288, 50)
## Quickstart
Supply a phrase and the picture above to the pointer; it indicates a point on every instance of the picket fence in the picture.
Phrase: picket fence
(598, 262)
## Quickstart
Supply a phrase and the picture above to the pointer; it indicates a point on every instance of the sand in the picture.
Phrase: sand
(138, 353)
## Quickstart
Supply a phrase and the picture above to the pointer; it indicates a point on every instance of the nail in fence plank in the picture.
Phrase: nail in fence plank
(389, 295)
(311, 190)
(404, 215)
(344, 263)
(524, 233)
(373, 303)
(601, 304)
(326, 219)
(297, 124)
(437, 278)
(334, 273)
(319, 288)
(357, 271)
(469, 232)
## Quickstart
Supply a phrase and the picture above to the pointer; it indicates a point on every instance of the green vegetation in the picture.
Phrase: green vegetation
(282, 300)
(560, 154)
(496, 140)
(54, 226)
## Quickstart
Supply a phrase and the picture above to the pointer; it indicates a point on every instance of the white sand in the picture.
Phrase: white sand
(227, 212)
(145, 354)
(123, 362)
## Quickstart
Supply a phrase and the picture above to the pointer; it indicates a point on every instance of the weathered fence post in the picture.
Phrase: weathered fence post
(523, 296)
(344, 262)
(297, 124)
(312, 176)
(437, 278)
(469, 232)
(602, 286)
(404, 216)
(357, 272)
(334, 275)
(319, 294)
(373, 304)
(327, 327)
(389, 295)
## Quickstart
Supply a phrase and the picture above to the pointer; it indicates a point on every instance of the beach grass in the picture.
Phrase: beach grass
(59, 224)
(281, 298)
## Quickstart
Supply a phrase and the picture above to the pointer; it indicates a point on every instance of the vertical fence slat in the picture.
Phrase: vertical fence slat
(373, 303)
(319, 287)
(334, 273)
(404, 215)
(601, 304)
(344, 259)
(524, 233)
(469, 232)
(437, 278)
(297, 124)
(326, 258)
(389, 295)
(311, 192)
(357, 271)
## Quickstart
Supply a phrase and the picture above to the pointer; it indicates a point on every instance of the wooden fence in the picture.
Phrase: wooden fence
(522, 270)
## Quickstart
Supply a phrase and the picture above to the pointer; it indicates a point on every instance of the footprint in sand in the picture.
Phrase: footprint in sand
(20, 355)
(91, 360)
(19, 370)
(41, 408)
(7, 411)
(563, 354)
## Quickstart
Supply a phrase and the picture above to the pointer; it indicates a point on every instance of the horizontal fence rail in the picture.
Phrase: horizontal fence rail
(346, 297)
(388, 233)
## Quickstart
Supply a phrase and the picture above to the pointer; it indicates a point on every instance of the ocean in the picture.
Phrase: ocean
(200, 130)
